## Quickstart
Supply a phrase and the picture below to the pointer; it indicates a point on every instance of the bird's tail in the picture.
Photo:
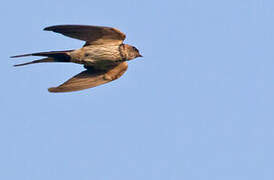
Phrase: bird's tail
(52, 56)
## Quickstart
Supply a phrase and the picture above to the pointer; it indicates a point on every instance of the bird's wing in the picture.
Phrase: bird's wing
(90, 34)
(90, 78)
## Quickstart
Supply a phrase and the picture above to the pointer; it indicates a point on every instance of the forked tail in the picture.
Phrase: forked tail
(52, 56)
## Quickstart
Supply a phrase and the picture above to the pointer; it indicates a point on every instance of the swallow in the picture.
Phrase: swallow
(104, 56)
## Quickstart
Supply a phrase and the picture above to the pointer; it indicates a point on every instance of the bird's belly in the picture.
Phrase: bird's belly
(101, 64)
(102, 52)
(100, 57)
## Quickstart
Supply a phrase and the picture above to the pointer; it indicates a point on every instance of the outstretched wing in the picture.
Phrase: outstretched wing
(91, 78)
(90, 34)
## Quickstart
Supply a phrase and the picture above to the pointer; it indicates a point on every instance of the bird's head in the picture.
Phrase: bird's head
(131, 52)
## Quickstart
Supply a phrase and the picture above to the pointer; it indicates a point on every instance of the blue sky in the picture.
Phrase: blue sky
(199, 105)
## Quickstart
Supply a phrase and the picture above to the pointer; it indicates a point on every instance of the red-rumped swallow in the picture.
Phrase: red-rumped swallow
(104, 56)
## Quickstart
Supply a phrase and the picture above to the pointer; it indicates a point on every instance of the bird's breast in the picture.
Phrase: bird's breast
(102, 52)
(98, 56)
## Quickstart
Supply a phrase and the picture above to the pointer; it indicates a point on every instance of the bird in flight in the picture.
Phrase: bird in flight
(104, 56)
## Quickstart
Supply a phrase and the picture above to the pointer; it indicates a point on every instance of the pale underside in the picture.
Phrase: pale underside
(97, 56)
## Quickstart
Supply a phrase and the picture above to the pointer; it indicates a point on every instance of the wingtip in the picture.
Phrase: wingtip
(55, 90)
(46, 29)
(52, 89)
(49, 28)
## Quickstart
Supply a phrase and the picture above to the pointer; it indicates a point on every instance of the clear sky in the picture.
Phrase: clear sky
(198, 106)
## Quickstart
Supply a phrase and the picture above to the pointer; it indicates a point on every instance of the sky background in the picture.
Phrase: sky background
(198, 106)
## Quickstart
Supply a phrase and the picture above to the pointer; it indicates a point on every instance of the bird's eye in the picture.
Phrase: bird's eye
(135, 49)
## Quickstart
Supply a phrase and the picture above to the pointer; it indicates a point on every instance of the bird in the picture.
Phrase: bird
(104, 56)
